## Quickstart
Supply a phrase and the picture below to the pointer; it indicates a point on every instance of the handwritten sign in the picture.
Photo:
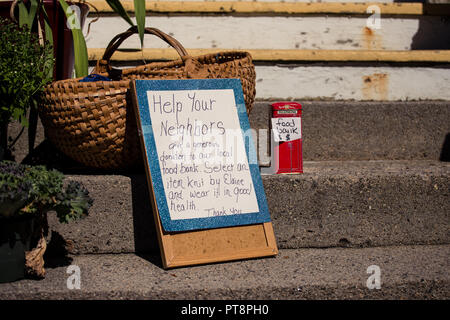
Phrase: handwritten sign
(286, 128)
(200, 153)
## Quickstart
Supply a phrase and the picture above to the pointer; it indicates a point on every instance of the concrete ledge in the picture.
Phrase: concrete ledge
(333, 204)
(313, 32)
(291, 55)
(417, 272)
(352, 130)
(347, 130)
(256, 7)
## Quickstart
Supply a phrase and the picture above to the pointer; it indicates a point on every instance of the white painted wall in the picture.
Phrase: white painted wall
(350, 83)
(308, 32)
(344, 83)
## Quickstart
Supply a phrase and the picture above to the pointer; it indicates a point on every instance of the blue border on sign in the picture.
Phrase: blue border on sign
(142, 86)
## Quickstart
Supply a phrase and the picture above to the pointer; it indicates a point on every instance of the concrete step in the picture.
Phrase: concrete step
(338, 130)
(351, 130)
(333, 204)
(408, 272)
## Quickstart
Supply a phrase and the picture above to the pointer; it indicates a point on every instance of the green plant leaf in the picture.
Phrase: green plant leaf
(23, 15)
(47, 27)
(119, 9)
(32, 12)
(139, 10)
(81, 55)
(48, 35)
(24, 71)
(79, 44)
(35, 190)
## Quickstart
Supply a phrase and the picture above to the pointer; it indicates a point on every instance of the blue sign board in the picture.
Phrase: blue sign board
(200, 154)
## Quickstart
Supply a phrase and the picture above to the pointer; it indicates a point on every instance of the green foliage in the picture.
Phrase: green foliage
(120, 10)
(79, 43)
(36, 190)
(139, 10)
(29, 14)
(24, 71)
(14, 189)
(75, 203)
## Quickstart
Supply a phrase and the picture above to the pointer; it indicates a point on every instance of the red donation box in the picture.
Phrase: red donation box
(286, 126)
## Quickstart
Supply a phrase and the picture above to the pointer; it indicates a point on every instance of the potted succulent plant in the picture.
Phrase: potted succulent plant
(27, 193)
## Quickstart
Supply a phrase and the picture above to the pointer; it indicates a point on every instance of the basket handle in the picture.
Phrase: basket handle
(104, 63)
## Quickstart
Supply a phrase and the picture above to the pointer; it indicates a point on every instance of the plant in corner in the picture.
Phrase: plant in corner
(32, 12)
(27, 193)
(25, 68)
(70, 51)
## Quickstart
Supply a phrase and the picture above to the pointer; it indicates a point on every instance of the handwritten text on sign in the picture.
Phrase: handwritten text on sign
(201, 152)
(286, 128)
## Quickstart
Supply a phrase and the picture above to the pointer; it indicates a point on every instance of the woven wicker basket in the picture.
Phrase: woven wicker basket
(94, 123)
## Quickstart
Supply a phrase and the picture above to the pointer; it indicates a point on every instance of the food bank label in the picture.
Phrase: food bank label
(286, 128)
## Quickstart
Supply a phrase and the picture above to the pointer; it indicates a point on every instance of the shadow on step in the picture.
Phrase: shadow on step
(145, 239)
(445, 153)
(432, 27)
(57, 253)
(47, 154)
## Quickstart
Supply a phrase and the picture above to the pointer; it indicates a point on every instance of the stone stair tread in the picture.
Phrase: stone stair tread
(332, 130)
(349, 167)
(333, 204)
(375, 167)
(407, 272)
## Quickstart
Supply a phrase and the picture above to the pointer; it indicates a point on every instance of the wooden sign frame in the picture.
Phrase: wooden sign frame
(183, 248)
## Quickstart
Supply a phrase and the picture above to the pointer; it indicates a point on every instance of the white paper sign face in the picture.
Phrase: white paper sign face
(286, 128)
(204, 166)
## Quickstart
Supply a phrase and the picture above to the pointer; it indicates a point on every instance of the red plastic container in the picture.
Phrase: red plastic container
(287, 130)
